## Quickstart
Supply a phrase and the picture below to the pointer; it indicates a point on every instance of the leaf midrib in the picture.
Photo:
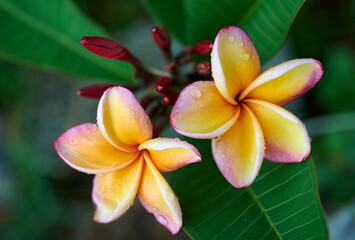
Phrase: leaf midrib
(262, 209)
(52, 33)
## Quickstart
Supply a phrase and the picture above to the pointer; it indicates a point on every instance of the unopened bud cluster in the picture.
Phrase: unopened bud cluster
(167, 87)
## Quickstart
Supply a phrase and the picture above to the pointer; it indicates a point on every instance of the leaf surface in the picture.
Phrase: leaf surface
(282, 203)
(266, 21)
(47, 34)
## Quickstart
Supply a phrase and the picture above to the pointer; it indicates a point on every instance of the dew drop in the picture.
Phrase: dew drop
(156, 144)
(170, 197)
(195, 93)
(162, 220)
(231, 39)
(286, 66)
(72, 141)
(165, 188)
(240, 44)
(244, 56)
(223, 156)
(269, 72)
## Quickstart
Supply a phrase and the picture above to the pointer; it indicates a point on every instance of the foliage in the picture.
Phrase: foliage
(266, 21)
(47, 34)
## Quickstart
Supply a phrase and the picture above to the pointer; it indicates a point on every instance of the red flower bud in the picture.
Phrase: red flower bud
(163, 84)
(172, 67)
(93, 91)
(170, 98)
(160, 37)
(105, 48)
(203, 48)
(109, 49)
(203, 68)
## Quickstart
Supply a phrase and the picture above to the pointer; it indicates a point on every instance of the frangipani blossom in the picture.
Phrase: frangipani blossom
(241, 110)
(126, 160)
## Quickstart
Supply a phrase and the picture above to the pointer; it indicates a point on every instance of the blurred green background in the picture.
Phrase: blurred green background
(43, 198)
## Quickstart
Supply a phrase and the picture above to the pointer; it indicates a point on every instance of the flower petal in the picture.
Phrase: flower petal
(122, 120)
(239, 152)
(114, 192)
(285, 82)
(286, 138)
(235, 62)
(169, 154)
(201, 111)
(158, 198)
(84, 148)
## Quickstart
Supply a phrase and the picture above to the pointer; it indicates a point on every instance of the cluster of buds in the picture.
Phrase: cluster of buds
(168, 86)
(163, 85)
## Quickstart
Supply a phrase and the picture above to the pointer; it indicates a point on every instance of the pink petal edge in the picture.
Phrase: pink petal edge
(86, 170)
(217, 68)
(100, 117)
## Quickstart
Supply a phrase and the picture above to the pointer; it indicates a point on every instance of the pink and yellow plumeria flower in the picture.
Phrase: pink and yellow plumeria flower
(126, 161)
(241, 110)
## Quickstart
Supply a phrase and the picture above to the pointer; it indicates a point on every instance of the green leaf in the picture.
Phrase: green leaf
(282, 203)
(47, 34)
(266, 21)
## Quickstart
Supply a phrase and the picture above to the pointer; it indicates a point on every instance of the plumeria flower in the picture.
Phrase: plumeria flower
(126, 160)
(241, 110)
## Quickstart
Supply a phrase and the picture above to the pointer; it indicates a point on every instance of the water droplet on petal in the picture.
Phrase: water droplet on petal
(165, 188)
(195, 93)
(72, 141)
(170, 197)
(240, 44)
(269, 72)
(231, 39)
(286, 66)
(244, 56)
(162, 220)
(223, 156)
